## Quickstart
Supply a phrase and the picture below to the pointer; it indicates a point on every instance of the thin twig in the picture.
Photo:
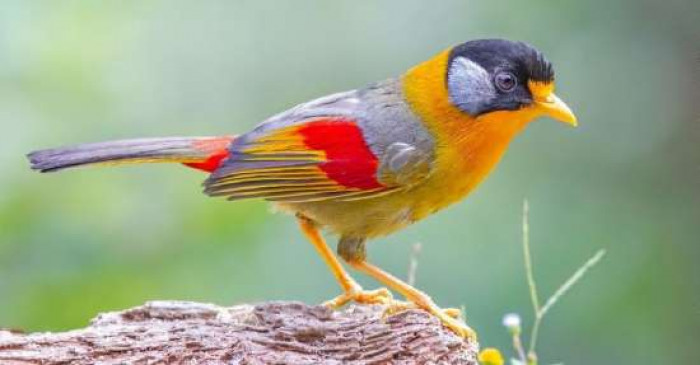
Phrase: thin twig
(571, 281)
(413, 264)
(532, 357)
(540, 312)
(528, 259)
(561, 291)
(518, 345)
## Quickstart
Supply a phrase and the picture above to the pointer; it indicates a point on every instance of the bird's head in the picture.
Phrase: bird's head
(503, 80)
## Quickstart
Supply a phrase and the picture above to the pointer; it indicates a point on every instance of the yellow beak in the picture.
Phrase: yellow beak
(555, 108)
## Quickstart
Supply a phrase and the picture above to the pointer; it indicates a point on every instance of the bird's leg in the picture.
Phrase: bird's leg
(420, 299)
(352, 291)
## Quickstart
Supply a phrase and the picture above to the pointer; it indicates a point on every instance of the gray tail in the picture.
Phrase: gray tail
(143, 150)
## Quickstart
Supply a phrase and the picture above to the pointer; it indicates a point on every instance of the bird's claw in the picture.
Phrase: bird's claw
(400, 306)
(449, 317)
(457, 326)
(359, 295)
(455, 313)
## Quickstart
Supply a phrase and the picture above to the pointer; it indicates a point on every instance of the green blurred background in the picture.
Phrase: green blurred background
(628, 179)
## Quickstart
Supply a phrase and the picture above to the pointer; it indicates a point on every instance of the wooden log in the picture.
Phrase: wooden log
(169, 332)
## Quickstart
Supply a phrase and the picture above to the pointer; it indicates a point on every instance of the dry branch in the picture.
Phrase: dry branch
(268, 333)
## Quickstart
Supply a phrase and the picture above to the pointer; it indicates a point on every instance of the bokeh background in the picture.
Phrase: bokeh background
(628, 179)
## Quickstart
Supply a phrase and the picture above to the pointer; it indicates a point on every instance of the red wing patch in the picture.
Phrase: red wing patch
(349, 161)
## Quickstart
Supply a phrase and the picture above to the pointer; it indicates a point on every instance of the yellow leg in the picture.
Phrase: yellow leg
(352, 291)
(415, 296)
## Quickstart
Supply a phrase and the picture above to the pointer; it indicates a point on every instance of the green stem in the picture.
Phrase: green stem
(533, 335)
(528, 260)
(518, 345)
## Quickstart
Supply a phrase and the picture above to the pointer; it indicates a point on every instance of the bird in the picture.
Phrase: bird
(365, 163)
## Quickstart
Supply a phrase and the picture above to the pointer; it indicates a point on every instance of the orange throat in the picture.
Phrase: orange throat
(467, 148)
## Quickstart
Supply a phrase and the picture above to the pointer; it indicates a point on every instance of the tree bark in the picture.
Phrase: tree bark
(170, 332)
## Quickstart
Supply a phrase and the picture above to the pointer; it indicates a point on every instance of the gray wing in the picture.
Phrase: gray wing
(396, 136)
(379, 109)
(286, 172)
(343, 104)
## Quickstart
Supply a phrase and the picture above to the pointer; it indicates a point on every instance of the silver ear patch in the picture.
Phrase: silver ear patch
(469, 86)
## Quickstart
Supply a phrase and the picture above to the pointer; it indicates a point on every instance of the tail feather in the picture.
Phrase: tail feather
(198, 152)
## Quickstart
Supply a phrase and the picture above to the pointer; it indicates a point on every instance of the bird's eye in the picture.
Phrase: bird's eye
(506, 81)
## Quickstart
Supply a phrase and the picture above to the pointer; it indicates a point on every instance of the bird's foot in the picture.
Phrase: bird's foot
(398, 306)
(358, 295)
(454, 323)
(449, 317)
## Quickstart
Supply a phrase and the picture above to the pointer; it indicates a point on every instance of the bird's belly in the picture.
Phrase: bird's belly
(367, 218)
(378, 216)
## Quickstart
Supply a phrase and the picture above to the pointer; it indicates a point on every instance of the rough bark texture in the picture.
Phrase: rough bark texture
(268, 333)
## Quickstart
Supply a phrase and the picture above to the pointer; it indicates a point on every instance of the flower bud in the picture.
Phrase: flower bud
(490, 356)
(512, 322)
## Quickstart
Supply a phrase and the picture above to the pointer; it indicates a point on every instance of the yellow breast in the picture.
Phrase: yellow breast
(466, 148)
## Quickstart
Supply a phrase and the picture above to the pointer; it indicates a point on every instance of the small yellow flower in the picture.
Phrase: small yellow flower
(490, 356)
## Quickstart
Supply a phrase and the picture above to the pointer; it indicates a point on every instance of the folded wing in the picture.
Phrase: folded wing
(346, 146)
(319, 159)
